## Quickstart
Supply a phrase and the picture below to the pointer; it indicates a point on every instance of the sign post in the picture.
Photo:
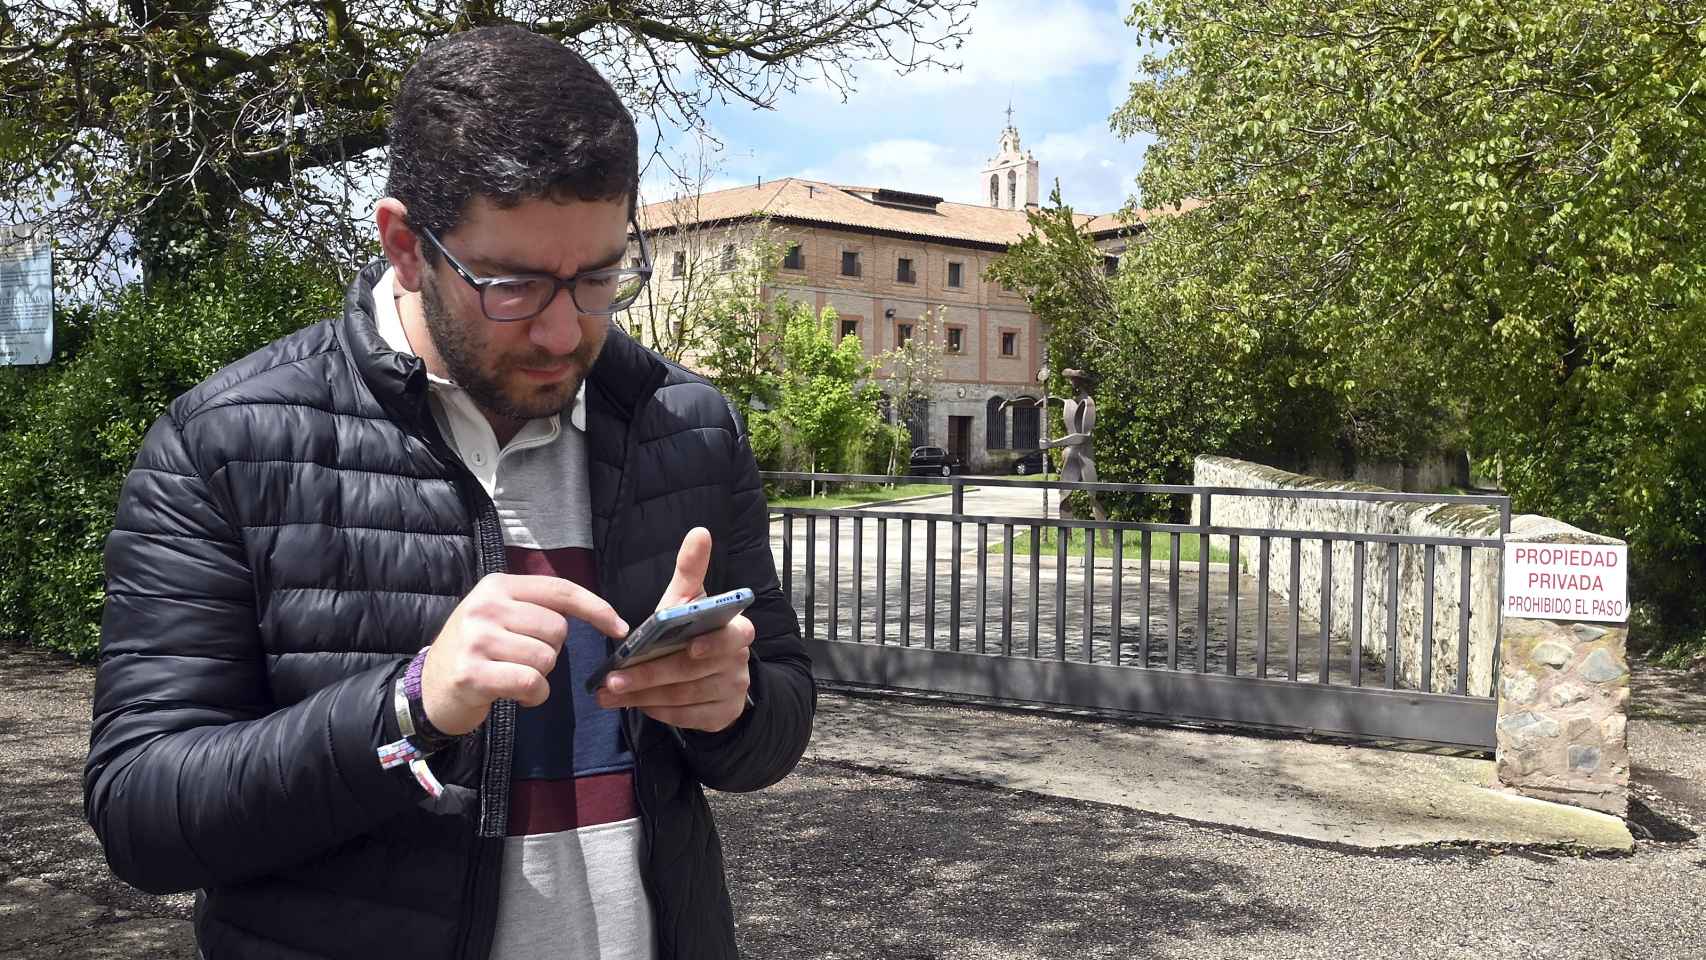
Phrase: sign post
(1567, 581)
(26, 296)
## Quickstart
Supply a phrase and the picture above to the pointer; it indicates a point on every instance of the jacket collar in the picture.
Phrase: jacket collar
(624, 374)
(398, 380)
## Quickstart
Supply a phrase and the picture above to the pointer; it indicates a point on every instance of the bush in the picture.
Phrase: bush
(69, 432)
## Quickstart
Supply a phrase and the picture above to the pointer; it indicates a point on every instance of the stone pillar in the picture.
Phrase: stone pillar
(1564, 702)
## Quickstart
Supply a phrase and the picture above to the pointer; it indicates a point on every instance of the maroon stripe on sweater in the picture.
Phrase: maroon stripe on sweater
(569, 563)
(552, 806)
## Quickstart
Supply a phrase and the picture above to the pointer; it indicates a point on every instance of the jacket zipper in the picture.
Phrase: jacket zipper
(494, 777)
(479, 885)
(630, 733)
(631, 718)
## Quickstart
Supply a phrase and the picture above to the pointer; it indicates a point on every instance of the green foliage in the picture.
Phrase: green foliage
(168, 128)
(1188, 380)
(806, 392)
(825, 412)
(735, 333)
(70, 431)
(1487, 210)
(858, 495)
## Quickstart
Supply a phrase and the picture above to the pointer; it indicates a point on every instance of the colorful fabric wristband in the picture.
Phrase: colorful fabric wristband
(403, 752)
(420, 738)
(424, 732)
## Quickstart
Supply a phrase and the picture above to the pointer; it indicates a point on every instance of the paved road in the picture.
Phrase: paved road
(843, 862)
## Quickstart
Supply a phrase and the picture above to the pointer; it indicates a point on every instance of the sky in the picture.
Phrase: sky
(1065, 67)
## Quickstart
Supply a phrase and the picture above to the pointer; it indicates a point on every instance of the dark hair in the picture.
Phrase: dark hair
(509, 115)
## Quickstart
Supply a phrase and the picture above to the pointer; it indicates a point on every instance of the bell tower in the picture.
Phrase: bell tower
(1010, 180)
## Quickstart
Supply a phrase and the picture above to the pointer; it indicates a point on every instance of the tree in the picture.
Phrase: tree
(826, 402)
(70, 431)
(174, 123)
(1493, 207)
(912, 370)
(734, 328)
(691, 275)
(1172, 380)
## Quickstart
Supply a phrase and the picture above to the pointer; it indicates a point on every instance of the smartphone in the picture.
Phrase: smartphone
(669, 630)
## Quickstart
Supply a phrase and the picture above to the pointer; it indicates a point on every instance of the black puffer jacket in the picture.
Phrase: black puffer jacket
(293, 531)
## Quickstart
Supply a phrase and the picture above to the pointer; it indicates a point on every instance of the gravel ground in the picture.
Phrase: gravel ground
(838, 862)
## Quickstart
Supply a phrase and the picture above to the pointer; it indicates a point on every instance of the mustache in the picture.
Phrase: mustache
(581, 356)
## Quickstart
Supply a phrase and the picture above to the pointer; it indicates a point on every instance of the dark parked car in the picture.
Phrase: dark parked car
(1030, 463)
(934, 462)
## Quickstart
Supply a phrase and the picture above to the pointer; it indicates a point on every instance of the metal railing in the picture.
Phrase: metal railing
(1107, 616)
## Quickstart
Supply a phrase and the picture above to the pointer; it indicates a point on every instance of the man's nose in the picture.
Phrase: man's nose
(558, 329)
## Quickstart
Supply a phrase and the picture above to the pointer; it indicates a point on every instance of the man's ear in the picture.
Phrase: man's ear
(402, 245)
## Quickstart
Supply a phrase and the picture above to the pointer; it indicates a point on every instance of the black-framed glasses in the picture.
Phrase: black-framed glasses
(526, 295)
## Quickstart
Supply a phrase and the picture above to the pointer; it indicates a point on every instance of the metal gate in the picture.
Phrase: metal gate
(1331, 632)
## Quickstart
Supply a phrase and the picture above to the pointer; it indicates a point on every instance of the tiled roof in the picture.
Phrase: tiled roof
(813, 201)
(853, 207)
(1108, 223)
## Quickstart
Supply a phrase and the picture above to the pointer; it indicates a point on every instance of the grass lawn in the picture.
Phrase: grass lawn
(848, 496)
(1160, 546)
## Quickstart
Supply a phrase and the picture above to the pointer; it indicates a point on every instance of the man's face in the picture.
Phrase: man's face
(522, 369)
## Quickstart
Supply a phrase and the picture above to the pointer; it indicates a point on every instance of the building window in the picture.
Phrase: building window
(849, 263)
(849, 328)
(1012, 190)
(995, 434)
(994, 190)
(956, 339)
(902, 333)
(728, 260)
(955, 279)
(1110, 265)
(795, 260)
(678, 264)
(918, 421)
(903, 271)
(1027, 427)
(1009, 344)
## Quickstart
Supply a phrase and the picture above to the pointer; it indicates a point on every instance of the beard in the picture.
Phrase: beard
(495, 383)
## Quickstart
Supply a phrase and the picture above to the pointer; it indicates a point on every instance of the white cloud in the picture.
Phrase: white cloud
(1094, 167)
(920, 166)
(1017, 44)
(1065, 66)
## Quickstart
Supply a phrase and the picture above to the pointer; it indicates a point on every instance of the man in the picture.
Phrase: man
(358, 578)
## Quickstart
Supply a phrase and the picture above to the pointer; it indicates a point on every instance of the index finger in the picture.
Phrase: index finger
(569, 599)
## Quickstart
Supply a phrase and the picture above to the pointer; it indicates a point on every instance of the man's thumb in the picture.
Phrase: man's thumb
(690, 566)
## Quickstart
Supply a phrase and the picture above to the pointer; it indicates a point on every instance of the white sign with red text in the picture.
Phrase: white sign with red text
(1567, 581)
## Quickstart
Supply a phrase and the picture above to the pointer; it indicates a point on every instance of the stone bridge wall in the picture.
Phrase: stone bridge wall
(1563, 687)
(1351, 516)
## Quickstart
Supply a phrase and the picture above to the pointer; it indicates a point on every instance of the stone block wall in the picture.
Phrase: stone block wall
(1438, 471)
(1352, 516)
(1564, 700)
(1563, 687)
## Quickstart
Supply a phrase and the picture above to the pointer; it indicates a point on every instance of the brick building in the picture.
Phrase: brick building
(888, 261)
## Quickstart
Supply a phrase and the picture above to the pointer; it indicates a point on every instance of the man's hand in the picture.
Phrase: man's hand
(703, 687)
(501, 642)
